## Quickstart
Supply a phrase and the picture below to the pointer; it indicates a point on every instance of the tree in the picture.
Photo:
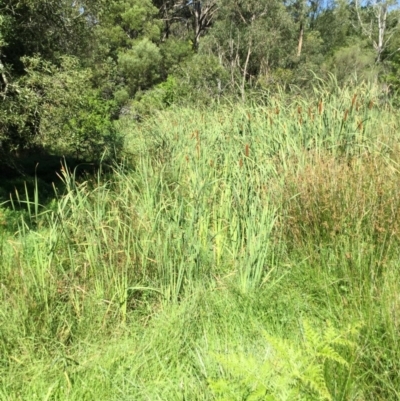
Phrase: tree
(378, 24)
(196, 14)
(43, 86)
(54, 107)
(140, 65)
(251, 38)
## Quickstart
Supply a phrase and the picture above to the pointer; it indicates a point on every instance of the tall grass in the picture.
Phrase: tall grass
(221, 224)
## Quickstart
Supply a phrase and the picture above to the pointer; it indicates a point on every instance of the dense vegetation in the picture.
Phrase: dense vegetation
(239, 252)
(225, 220)
(69, 69)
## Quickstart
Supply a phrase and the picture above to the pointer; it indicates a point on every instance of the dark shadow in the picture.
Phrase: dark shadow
(21, 172)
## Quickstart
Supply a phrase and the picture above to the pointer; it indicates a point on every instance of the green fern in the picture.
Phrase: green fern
(289, 371)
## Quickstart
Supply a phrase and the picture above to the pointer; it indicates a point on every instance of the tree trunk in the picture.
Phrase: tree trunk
(382, 15)
(300, 42)
(246, 64)
(203, 14)
(4, 79)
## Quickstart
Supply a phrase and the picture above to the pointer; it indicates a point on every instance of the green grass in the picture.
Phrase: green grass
(239, 252)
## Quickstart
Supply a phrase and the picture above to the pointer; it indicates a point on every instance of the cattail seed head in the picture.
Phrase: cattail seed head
(247, 150)
(353, 100)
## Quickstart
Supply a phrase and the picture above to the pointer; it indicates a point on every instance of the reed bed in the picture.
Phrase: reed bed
(219, 225)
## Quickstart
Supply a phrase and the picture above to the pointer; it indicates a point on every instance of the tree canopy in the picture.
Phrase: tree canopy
(69, 69)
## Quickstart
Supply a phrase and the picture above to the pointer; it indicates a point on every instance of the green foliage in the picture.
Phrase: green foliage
(122, 22)
(202, 79)
(52, 28)
(57, 110)
(140, 65)
(175, 52)
(213, 50)
(392, 70)
(126, 58)
(288, 370)
(337, 27)
(248, 40)
(160, 97)
(353, 63)
(9, 219)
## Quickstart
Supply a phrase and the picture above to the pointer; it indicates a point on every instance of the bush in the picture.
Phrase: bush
(55, 107)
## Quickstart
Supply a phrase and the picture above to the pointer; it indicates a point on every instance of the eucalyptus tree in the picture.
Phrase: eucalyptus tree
(379, 21)
(192, 18)
(252, 38)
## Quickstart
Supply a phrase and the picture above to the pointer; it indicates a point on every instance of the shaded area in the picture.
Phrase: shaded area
(20, 173)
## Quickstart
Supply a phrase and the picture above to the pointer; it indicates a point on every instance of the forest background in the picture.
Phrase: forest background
(69, 69)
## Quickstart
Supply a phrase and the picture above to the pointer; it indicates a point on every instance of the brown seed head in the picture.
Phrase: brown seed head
(353, 101)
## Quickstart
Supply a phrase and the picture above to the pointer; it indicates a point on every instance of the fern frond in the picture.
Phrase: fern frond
(314, 377)
(288, 371)
(327, 352)
(312, 337)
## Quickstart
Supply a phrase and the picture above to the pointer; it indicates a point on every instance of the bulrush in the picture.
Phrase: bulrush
(310, 114)
(320, 107)
(299, 110)
(196, 135)
(247, 150)
(353, 100)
